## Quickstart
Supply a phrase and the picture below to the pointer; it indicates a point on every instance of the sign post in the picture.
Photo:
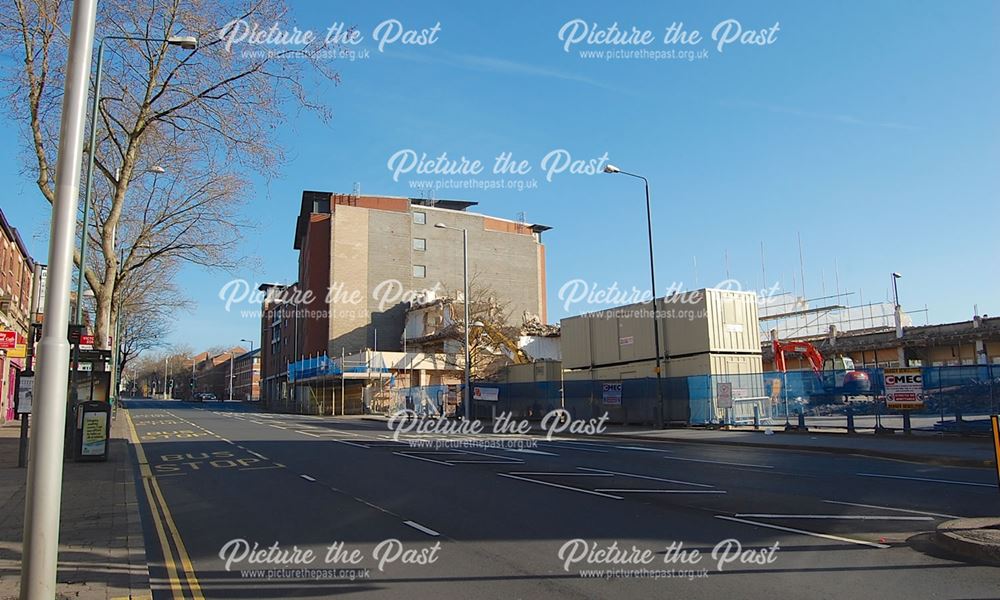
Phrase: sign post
(25, 396)
(904, 390)
(611, 393)
(725, 399)
(996, 445)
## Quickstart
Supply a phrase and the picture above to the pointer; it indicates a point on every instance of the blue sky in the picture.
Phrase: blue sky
(868, 128)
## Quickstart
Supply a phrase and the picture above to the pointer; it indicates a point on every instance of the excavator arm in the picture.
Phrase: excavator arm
(503, 342)
(811, 353)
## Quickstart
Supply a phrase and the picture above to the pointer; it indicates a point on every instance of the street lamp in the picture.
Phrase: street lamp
(186, 42)
(898, 312)
(250, 384)
(467, 402)
(652, 276)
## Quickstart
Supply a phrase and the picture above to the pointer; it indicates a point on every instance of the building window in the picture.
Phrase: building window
(419, 244)
(420, 218)
(419, 271)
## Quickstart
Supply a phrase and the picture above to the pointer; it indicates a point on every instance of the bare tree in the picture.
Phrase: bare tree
(208, 117)
(148, 304)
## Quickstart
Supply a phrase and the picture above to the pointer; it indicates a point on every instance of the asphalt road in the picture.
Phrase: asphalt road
(491, 522)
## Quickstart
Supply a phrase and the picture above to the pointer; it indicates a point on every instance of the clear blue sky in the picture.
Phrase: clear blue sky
(870, 128)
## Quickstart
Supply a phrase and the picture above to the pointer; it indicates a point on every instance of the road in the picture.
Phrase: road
(491, 522)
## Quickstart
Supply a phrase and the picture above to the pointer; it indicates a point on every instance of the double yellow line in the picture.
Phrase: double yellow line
(164, 523)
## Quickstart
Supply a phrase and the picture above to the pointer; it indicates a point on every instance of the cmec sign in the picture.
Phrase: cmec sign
(904, 389)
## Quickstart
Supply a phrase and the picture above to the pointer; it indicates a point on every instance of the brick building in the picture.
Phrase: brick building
(213, 373)
(363, 258)
(16, 272)
(246, 383)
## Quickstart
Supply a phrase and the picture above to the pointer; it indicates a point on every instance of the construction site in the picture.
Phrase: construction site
(702, 357)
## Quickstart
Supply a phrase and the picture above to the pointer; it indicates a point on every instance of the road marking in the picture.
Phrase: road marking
(422, 458)
(574, 448)
(649, 477)
(527, 451)
(634, 491)
(168, 559)
(825, 536)
(640, 448)
(487, 462)
(718, 462)
(949, 481)
(148, 483)
(350, 444)
(304, 432)
(189, 573)
(260, 468)
(257, 454)
(307, 478)
(575, 443)
(420, 527)
(836, 517)
(562, 474)
(905, 510)
(564, 487)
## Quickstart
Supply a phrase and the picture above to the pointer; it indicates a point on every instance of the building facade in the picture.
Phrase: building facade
(246, 383)
(364, 259)
(216, 374)
(16, 272)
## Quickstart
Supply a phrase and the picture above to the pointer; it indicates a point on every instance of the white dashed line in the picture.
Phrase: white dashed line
(718, 462)
(641, 449)
(564, 487)
(355, 444)
(420, 527)
(649, 477)
(825, 536)
(527, 451)
(948, 481)
(905, 510)
(632, 491)
(836, 517)
(307, 478)
(431, 460)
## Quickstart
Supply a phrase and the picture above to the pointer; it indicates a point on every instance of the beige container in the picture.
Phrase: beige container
(693, 323)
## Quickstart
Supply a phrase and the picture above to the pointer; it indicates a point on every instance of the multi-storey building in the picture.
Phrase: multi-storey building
(246, 376)
(16, 271)
(362, 259)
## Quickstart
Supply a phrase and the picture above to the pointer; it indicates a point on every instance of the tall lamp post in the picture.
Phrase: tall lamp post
(467, 402)
(899, 319)
(652, 276)
(43, 496)
(186, 42)
(250, 384)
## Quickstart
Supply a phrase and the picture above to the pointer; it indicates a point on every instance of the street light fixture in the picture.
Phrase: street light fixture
(467, 402)
(898, 313)
(185, 42)
(251, 366)
(612, 169)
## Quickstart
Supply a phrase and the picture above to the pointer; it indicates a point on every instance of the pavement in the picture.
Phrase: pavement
(976, 539)
(240, 498)
(101, 550)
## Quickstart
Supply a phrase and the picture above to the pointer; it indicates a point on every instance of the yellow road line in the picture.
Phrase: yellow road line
(148, 482)
(189, 574)
(175, 583)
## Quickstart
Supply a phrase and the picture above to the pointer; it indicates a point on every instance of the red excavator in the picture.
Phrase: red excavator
(836, 376)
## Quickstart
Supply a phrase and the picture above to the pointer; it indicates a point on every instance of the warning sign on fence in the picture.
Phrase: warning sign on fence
(904, 389)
